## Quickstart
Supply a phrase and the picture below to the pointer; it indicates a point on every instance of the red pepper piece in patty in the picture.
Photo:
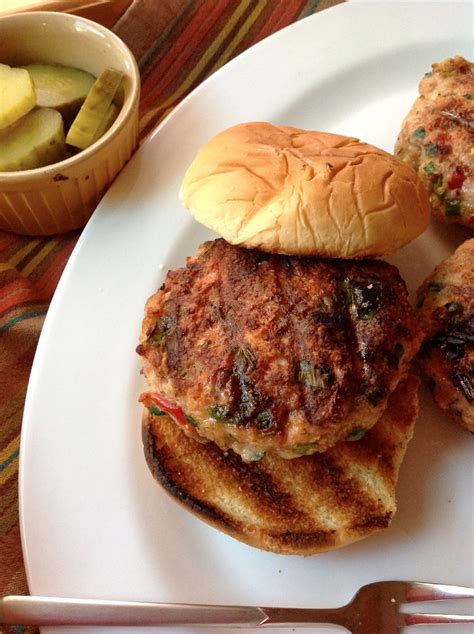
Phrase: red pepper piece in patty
(457, 178)
(170, 408)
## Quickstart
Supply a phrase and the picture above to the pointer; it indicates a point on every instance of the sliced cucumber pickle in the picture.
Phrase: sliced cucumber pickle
(60, 87)
(107, 121)
(95, 109)
(37, 139)
(17, 94)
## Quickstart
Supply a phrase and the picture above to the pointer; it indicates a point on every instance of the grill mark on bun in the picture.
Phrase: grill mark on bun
(249, 483)
(375, 522)
(344, 490)
(252, 483)
(299, 506)
(165, 468)
(315, 540)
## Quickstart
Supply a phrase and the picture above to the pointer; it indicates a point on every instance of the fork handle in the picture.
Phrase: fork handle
(29, 610)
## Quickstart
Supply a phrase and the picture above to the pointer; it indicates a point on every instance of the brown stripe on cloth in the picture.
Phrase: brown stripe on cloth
(178, 43)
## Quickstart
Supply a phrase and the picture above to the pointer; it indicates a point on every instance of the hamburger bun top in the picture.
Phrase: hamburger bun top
(298, 192)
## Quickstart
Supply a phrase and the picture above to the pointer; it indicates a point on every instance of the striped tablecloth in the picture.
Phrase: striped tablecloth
(177, 43)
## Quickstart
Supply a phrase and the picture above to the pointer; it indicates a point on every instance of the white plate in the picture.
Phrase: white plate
(94, 523)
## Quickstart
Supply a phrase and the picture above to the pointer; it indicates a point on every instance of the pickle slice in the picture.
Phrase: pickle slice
(94, 109)
(107, 121)
(17, 94)
(60, 87)
(35, 140)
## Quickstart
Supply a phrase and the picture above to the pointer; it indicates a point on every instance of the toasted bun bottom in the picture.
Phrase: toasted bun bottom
(301, 506)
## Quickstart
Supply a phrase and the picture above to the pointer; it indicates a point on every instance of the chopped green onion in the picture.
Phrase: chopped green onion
(311, 378)
(257, 456)
(435, 287)
(246, 356)
(465, 383)
(439, 188)
(164, 326)
(218, 412)
(192, 421)
(431, 149)
(156, 411)
(306, 374)
(265, 419)
(453, 207)
(366, 313)
(375, 397)
(304, 449)
(364, 297)
(419, 133)
(326, 304)
(356, 434)
(429, 168)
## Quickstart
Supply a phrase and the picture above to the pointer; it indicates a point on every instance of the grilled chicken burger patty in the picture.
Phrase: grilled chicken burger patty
(269, 353)
(437, 139)
(446, 309)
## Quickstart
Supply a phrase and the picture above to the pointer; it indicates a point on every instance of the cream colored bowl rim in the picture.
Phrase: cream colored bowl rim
(126, 111)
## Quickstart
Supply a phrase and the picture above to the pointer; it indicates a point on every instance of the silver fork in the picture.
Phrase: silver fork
(375, 609)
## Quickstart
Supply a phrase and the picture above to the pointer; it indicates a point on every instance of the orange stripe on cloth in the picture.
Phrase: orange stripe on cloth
(266, 15)
(15, 259)
(203, 61)
(9, 460)
(39, 257)
(181, 52)
(11, 411)
(227, 54)
(280, 19)
(22, 291)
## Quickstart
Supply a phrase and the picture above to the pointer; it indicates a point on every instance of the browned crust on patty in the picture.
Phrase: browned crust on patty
(446, 312)
(302, 506)
(275, 351)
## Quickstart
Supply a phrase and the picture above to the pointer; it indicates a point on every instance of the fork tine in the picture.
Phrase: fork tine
(431, 619)
(418, 591)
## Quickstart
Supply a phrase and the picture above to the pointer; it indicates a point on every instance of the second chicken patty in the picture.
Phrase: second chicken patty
(267, 353)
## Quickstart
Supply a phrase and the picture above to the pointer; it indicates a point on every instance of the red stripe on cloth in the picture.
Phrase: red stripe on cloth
(181, 52)
(278, 20)
(41, 289)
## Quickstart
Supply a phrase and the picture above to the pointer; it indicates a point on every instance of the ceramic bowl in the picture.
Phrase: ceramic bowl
(61, 197)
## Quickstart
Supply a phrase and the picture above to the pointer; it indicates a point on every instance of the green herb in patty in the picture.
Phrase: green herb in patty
(246, 357)
(192, 421)
(419, 133)
(453, 207)
(439, 187)
(219, 412)
(311, 377)
(375, 396)
(435, 287)
(429, 168)
(156, 411)
(356, 434)
(163, 327)
(304, 449)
